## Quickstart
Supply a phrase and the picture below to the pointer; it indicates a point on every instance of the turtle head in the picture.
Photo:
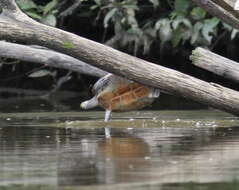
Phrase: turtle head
(84, 104)
(93, 102)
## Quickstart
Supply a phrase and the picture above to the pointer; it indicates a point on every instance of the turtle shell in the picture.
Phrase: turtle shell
(125, 97)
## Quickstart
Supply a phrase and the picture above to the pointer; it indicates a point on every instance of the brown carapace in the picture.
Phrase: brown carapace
(124, 98)
(114, 93)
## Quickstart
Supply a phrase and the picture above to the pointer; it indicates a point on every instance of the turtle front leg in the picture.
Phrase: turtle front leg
(107, 115)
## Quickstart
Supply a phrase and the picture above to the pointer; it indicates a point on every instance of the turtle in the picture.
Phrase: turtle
(114, 93)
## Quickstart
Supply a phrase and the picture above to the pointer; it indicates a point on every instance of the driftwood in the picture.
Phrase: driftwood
(14, 25)
(47, 57)
(215, 63)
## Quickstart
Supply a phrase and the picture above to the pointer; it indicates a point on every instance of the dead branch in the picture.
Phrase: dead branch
(215, 63)
(47, 57)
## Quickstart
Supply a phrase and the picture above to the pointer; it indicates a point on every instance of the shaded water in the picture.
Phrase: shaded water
(147, 150)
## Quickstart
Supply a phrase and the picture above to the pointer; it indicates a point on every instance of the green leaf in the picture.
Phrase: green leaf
(160, 23)
(155, 3)
(198, 13)
(227, 26)
(26, 4)
(93, 7)
(132, 21)
(234, 33)
(34, 15)
(181, 20)
(148, 38)
(165, 31)
(98, 2)
(135, 31)
(181, 5)
(49, 20)
(209, 27)
(134, 7)
(40, 73)
(118, 28)
(108, 16)
(196, 32)
(49, 6)
(176, 37)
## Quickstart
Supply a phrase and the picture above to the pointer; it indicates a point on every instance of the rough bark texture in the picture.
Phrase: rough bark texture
(231, 3)
(228, 5)
(221, 9)
(215, 63)
(47, 57)
(14, 27)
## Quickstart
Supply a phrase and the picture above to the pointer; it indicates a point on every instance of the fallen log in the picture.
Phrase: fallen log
(47, 57)
(15, 25)
(215, 63)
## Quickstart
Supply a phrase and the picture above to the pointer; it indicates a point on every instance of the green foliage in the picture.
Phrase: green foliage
(189, 24)
(181, 6)
(209, 26)
(155, 3)
(172, 22)
(45, 14)
(139, 24)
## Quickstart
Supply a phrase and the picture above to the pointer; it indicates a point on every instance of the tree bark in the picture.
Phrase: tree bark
(16, 26)
(215, 63)
(47, 57)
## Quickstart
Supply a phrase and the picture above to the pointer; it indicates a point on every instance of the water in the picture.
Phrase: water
(148, 150)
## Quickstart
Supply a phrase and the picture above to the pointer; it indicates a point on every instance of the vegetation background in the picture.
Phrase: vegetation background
(161, 31)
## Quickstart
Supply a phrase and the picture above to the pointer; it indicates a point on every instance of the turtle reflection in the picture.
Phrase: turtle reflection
(116, 159)
(121, 157)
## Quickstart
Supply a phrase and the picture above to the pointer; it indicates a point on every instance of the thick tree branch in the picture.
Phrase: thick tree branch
(47, 57)
(215, 63)
(111, 60)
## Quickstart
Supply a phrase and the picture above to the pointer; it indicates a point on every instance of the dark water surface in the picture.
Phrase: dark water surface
(147, 150)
